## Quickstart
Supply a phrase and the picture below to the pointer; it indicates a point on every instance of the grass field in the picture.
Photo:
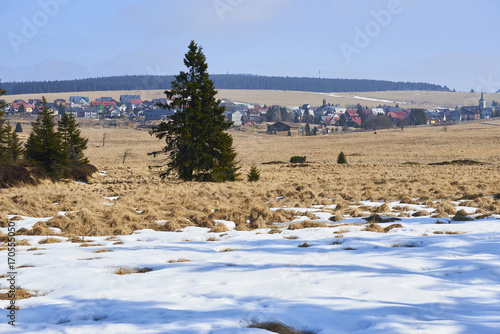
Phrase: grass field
(388, 165)
(405, 99)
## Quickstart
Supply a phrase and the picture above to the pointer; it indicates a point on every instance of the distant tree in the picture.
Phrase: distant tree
(307, 129)
(72, 141)
(314, 131)
(19, 128)
(342, 121)
(273, 114)
(269, 130)
(44, 147)
(21, 109)
(341, 159)
(308, 117)
(197, 146)
(472, 91)
(61, 109)
(379, 122)
(253, 175)
(417, 117)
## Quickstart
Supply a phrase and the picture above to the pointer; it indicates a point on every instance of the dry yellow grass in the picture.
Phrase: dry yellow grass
(180, 260)
(376, 171)
(128, 271)
(49, 241)
(405, 99)
(19, 294)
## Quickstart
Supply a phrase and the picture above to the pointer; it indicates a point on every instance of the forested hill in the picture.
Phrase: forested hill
(222, 81)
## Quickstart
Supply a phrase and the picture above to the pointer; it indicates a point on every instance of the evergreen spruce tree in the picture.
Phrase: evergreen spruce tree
(19, 128)
(308, 129)
(9, 141)
(14, 149)
(72, 141)
(197, 146)
(341, 159)
(44, 147)
(253, 175)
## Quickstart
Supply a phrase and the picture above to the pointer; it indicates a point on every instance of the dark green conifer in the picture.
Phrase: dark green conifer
(197, 146)
(253, 175)
(44, 147)
(341, 159)
(72, 141)
(14, 148)
(19, 128)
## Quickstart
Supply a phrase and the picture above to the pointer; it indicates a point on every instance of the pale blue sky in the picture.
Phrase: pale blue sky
(446, 42)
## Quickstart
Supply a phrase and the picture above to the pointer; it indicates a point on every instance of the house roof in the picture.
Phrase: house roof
(356, 119)
(135, 101)
(397, 114)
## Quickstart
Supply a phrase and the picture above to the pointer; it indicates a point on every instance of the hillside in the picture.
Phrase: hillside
(221, 81)
(409, 99)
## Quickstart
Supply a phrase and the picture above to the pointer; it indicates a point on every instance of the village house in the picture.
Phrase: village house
(79, 101)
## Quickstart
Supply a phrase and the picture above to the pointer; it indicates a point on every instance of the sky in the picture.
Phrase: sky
(445, 42)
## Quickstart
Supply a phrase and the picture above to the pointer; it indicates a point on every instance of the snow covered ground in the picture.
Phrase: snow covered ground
(409, 280)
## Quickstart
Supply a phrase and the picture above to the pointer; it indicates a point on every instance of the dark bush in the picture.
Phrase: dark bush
(297, 159)
(83, 172)
(13, 175)
(16, 175)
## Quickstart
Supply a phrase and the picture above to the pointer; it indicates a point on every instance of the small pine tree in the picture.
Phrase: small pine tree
(289, 133)
(13, 145)
(19, 128)
(253, 175)
(341, 159)
(72, 141)
(44, 147)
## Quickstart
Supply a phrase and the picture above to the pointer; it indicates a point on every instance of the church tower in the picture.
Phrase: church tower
(482, 104)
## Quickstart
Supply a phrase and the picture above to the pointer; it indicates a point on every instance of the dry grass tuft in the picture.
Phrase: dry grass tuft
(461, 215)
(373, 227)
(219, 228)
(421, 213)
(212, 239)
(49, 241)
(383, 208)
(23, 242)
(179, 260)
(76, 240)
(170, 226)
(336, 217)
(277, 327)
(19, 294)
(227, 250)
(275, 230)
(103, 250)
(392, 226)
(378, 219)
(128, 271)
(86, 244)
(304, 245)
(291, 237)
